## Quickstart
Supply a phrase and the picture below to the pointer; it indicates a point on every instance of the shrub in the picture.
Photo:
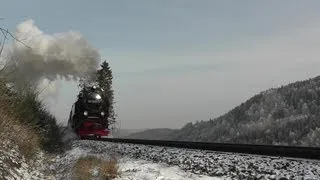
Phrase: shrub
(105, 169)
(25, 121)
(24, 137)
(11, 127)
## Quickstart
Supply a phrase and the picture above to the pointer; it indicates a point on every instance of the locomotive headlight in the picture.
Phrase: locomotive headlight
(98, 96)
(85, 113)
(102, 113)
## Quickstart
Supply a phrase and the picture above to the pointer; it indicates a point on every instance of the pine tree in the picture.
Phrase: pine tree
(104, 80)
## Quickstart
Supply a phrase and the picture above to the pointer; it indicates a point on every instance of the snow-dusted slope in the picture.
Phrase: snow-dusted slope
(142, 159)
(14, 166)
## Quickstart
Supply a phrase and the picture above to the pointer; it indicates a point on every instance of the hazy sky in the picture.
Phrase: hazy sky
(179, 61)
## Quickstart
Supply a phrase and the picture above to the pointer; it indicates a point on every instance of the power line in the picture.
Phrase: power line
(8, 32)
(4, 41)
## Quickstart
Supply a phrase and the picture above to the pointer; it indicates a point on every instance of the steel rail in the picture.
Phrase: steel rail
(268, 150)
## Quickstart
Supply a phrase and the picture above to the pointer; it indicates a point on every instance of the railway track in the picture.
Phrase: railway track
(268, 150)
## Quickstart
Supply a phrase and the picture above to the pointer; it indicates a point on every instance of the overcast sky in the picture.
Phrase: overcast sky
(179, 61)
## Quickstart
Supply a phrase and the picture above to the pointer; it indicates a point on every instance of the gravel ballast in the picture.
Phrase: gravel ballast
(215, 164)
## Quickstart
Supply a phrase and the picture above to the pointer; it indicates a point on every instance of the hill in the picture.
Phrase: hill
(155, 134)
(289, 115)
(122, 133)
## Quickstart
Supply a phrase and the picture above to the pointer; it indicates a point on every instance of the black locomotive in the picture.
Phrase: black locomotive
(89, 114)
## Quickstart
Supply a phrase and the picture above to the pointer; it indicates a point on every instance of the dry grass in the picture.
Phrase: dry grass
(23, 136)
(11, 128)
(25, 122)
(108, 169)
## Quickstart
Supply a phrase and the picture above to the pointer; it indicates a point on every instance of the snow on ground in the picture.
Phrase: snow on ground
(213, 164)
(131, 169)
(144, 170)
(145, 162)
(13, 166)
(62, 165)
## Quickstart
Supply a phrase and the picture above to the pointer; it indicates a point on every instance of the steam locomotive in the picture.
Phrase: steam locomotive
(89, 114)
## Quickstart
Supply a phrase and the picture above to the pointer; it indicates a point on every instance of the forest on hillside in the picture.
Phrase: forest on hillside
(289, 115)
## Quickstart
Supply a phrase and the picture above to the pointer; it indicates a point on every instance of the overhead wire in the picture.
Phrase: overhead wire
(6, 32)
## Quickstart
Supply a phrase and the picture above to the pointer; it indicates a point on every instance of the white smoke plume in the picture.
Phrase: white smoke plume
(39, 59)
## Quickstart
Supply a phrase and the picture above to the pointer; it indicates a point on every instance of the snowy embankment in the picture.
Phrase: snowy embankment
(15, 166)
(153, 162)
